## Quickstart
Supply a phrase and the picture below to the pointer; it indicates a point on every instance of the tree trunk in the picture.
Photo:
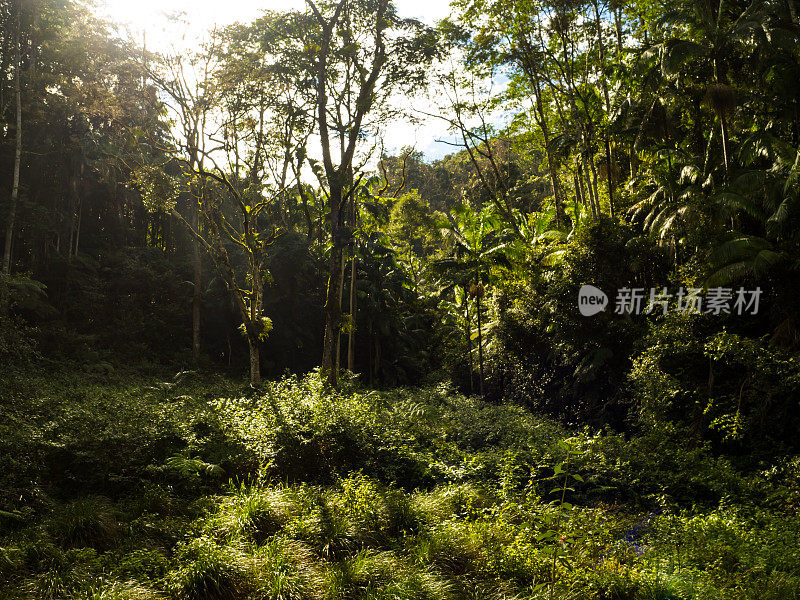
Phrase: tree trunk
(469, 339)
(579, 201)
(341, 297)
(594, 183)
(480, 342)
(610, 176)
(581, 191)
(793, 11)
(12, 212)
(78, 226)
(333, 309)
(255, 361)
(351, 356)
(353, 220)
(604, 84)
(377, 354)
(72, 201)
(196, 295)
(618, 27)
(724, 130)
(543, 125)
(551, 164)
(371, 361)
(584, 175)
(340, 176)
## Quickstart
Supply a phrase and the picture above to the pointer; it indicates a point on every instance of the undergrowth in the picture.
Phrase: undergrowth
(203, 492)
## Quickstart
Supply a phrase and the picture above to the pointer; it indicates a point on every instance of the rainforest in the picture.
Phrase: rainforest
(391, 300)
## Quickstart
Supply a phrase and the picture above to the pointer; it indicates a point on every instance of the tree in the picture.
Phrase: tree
(237, 201)
(360, 58)
(17, 151)
(477, 245)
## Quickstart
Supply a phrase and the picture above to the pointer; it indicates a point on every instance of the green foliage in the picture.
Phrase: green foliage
(190, 466)
(630, 457)
(286, 570)
(118, 590)
(253, 513)
(19, 294)
(88, 521)
(497, 502)
(733, 390)
(158, 189)
(210, 572)
(411, 222)
(258, 329)
(552, 358)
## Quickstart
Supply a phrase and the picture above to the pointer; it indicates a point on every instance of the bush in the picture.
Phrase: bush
(255, 513)
(210, 572)
(548, 356)
(118, 590)
(286, 570)
(737, 392)
(89, 521)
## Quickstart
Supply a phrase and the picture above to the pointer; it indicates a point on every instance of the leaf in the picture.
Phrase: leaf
(676, 52)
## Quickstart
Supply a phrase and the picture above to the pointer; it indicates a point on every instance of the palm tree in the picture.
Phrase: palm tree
(478, 243)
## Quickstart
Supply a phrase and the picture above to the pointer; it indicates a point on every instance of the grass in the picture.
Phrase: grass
(402, 495)
(89, 521)
(209, 571)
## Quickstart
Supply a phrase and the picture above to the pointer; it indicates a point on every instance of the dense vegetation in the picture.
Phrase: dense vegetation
(299, 492)
(386, 384)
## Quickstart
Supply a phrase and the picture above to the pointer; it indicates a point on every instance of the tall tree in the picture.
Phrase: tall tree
(360, 58)
(237, 176)
(12, 211)
(477, 246)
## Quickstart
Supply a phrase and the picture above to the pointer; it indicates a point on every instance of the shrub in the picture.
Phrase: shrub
(735, 391)
(89, 521)
(256, 513)
(118, 590)
(286, 570)
(209, 572)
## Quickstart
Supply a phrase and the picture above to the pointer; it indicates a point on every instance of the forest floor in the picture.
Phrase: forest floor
(134, 487)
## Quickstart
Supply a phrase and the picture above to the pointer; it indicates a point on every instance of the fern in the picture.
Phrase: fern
(193, 466)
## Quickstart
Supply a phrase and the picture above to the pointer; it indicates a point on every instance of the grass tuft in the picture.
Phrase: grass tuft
(89, 521)
(287, 570)
(122, 590)
(210, 572)
(254, 513)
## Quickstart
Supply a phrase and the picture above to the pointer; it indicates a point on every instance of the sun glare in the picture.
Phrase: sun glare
(167, 24)
(177, 26)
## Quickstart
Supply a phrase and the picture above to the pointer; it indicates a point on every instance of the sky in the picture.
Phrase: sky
(150, 20)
